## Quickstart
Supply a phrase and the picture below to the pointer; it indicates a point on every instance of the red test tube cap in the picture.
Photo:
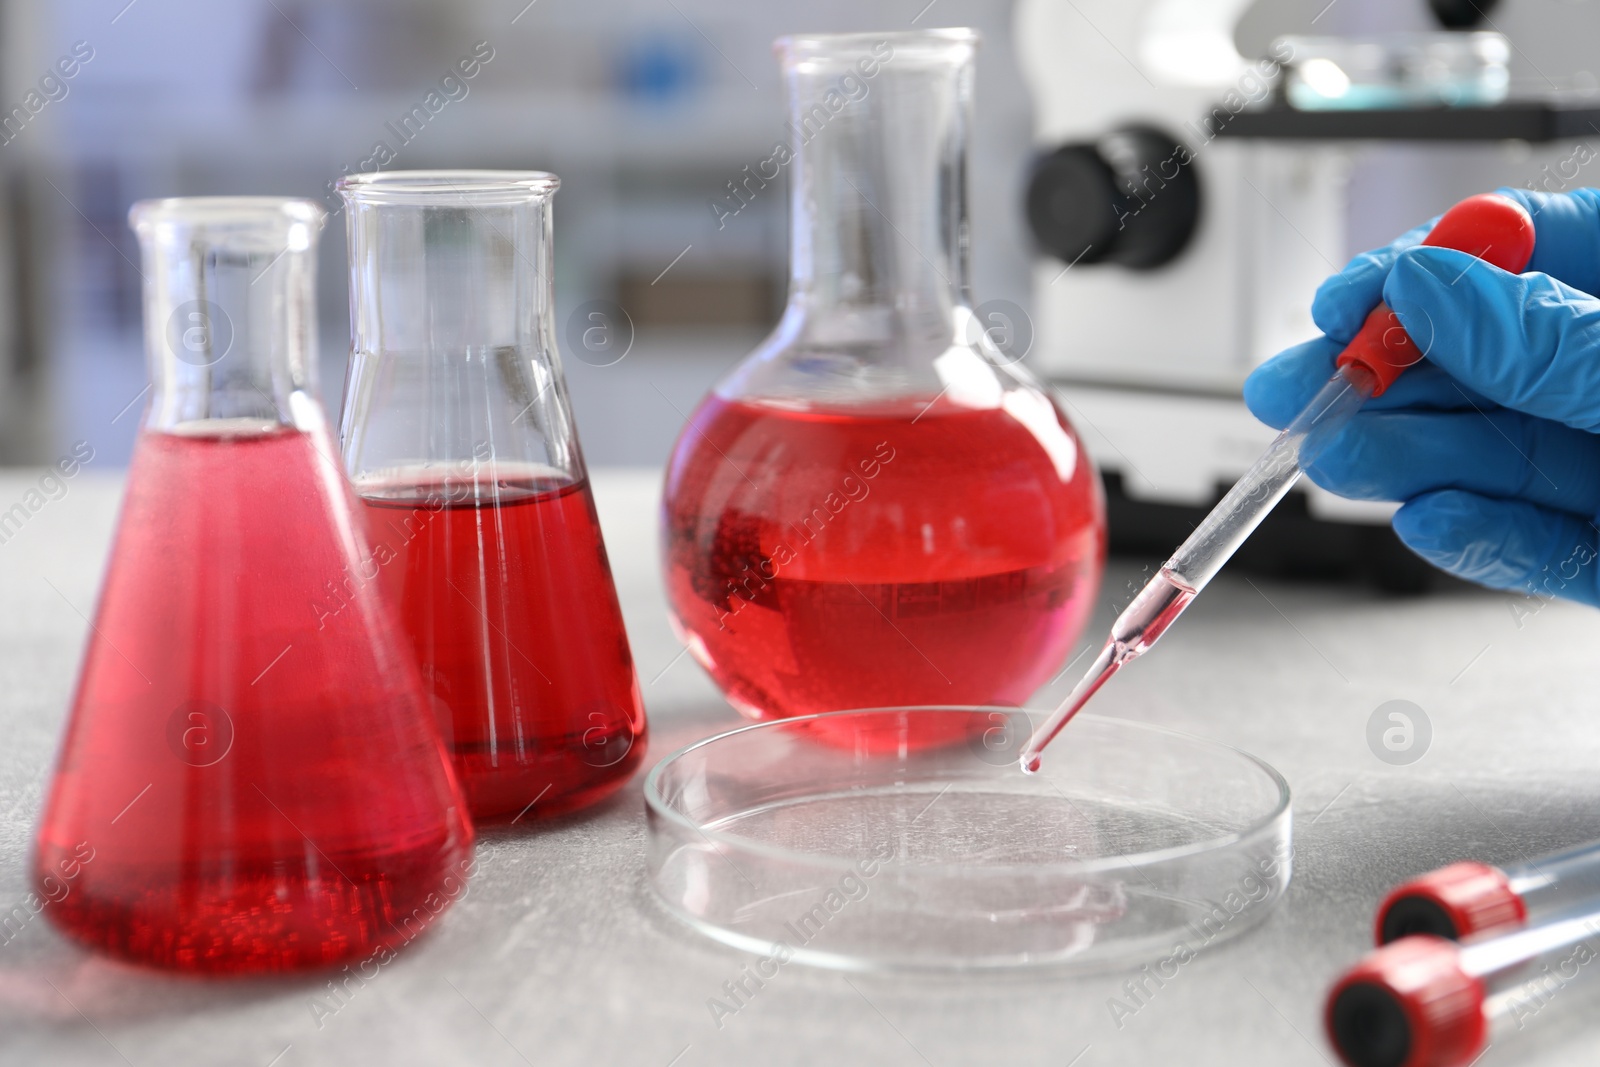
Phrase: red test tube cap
(1408, 1004)
(1496, 230)
(1457, 902)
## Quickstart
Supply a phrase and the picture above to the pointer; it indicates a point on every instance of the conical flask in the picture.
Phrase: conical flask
(879, 506)
(251, 779)
(459, 437)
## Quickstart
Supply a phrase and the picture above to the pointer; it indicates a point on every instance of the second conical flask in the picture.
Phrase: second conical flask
(459, 438)
(249, 782)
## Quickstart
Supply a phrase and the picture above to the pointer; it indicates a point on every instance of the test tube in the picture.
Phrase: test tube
(1466, 900)
(1425, 1001)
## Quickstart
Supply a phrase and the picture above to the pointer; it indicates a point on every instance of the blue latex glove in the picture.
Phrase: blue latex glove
(1493, 441)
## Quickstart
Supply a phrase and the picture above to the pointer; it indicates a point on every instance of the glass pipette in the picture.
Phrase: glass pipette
(1491, 227)
(1216, 539)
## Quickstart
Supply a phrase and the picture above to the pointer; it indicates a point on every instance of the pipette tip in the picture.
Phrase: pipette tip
(1104, 666)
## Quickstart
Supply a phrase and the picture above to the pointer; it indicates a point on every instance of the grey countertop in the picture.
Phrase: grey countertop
(556, 955)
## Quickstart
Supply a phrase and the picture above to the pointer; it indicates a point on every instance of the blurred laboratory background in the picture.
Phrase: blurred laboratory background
(646, 109)
(1144, 294)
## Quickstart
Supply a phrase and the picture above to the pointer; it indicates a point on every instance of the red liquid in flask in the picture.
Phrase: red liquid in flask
(823, 559)
(511, 609)
(249, 782)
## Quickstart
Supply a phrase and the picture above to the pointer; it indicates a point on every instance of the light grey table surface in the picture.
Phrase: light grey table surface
(556, 955)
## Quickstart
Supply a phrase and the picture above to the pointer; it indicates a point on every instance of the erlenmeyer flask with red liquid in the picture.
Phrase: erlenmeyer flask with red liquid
(879, 507)
(459, 438)
(249, 782)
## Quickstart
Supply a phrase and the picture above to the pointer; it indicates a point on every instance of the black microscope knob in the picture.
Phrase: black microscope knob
(1072, 202)
(1461, 14)
(1130, 198)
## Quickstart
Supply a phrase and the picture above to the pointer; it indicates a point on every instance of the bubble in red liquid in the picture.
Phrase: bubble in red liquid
(821, 559)
(251, 780)
(511, 610)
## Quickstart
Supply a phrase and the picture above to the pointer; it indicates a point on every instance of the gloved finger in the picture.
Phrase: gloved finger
(1502, 453)
(1566, 228)
(1526, 341)
(1504, 544)
(1277, 390)
(1566, 246)
(1345, 299)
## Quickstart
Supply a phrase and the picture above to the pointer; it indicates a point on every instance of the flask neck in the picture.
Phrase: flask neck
(230, 312)
(879, 125)
(446, 270)
(454, 376)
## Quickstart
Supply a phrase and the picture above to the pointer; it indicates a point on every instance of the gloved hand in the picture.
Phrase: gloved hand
(1493, 441)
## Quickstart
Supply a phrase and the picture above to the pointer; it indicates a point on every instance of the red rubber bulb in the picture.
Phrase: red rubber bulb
(1496, 230)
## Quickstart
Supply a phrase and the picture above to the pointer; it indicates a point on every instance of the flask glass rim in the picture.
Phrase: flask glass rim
(219, 217)
(949, 43)
(424, 187)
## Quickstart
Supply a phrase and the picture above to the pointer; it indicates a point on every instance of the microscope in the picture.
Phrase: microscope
(1184, 213)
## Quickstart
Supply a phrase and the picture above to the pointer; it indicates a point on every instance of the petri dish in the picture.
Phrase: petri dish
(909, 839)
(1398, 70)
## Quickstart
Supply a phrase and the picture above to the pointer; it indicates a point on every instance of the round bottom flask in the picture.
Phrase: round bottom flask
(879, 506)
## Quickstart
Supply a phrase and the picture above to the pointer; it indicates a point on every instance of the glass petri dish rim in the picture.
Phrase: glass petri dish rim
(1262, 827)
(1471, 42)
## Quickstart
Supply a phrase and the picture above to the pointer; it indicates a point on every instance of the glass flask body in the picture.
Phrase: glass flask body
(879, 506)
(459, 438)
(251, 779)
